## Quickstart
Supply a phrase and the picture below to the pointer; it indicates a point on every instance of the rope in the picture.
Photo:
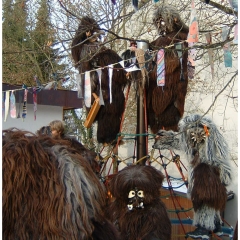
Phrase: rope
(171, 193)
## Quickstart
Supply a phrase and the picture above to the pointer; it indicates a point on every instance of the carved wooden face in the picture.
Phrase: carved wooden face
(135, 199)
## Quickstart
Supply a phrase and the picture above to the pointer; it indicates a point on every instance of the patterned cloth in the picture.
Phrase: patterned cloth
(13, 105)
(191, 61)
(160, 68)
(193, 28)
(24, 113)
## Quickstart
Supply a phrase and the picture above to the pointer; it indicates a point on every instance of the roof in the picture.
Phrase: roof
(66, 98)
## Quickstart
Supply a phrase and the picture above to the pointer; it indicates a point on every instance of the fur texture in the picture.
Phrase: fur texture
(166, 104)
(209, 171)
(50, 191)
(150, 220)
(89, 55)
(72, 142)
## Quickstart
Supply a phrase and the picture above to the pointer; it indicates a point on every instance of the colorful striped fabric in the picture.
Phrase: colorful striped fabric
(160, 68)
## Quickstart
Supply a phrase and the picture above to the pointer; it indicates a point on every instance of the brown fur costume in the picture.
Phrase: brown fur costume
(50, 191)
(166, 104)
(143, 217)
(214, 195)
(89, 155)
(89, 55)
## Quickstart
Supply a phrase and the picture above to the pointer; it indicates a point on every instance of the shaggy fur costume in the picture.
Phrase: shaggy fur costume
(89, 55)
(89, 155)
(50, 191)
(165, 105)
(136, 206)
(209, 171)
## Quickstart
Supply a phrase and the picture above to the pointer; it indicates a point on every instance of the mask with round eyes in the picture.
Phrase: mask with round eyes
(161, 25)
(135, 199)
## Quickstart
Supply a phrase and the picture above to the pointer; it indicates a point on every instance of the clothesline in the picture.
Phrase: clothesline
(124, 68)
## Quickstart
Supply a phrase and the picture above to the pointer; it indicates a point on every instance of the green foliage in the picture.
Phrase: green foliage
(29, 47)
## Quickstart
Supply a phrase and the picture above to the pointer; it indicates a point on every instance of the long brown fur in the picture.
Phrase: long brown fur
(151, 222)
(109, 115)
(207, 188)
(166, 104)
(50, 191)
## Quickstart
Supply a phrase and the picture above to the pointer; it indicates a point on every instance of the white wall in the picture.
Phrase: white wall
(45, 114)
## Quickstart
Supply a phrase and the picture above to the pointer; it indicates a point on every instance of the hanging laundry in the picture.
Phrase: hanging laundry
(35, 103)
(99, 71)
(24, 112)
(6, 105)
(20, 98)
(79, 86)
(113, 2)
(87, 90)
(179, 47)
(210, 53)
(226, 48)
(135, 4)
(3, 105)
(110, 73)
(191, 60)
(193, 26)
(160, 68)
(13, 113)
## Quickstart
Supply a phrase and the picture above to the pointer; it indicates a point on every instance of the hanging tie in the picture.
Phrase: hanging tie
(110, 73)
(179, 48)
(226, 47)
(87, 90)
(79, 86)
(35, 103)
(210, 53)
(24, 112)
(13, 105)
(20, 97)
(3, 105)
(135, 4)
(193, 28)
(99, 72)
(191, 60)
(6, 105)
(160, 68)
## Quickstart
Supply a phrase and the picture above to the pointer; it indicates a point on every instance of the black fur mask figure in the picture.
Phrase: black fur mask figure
(136, 207)
(88, 55)
(209, 171)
